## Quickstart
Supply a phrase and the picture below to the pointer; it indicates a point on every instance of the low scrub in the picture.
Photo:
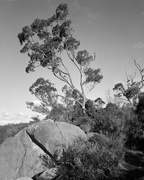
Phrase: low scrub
(97, 158)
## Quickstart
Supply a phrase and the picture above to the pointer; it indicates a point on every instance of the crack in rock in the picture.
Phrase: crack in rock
(19, 173)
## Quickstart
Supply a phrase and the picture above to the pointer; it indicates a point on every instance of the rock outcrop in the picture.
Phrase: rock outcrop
(24, 178)
(20, 155)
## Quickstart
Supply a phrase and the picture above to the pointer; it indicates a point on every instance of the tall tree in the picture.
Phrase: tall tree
(45, 42)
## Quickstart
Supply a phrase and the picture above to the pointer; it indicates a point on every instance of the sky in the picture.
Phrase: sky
(112, 29)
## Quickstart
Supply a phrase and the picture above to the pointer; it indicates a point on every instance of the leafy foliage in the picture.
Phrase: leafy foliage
(45, 41)
(99, 103)
(134, 126)
(94, 159)
(35, 119)
(52, 104)
(45, 92)
(10, 130)
(109, 121)
(92, 76)
(58, 113)
(133, 88)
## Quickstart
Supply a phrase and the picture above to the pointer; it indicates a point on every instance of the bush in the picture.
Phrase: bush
(134, 129)
(109, 121)
(91, 160)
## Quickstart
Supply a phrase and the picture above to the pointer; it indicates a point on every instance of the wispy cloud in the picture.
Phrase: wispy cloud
(21, 114)
(139, 45)
(6, 118)
(5, 114)
(87, 12)
(94, 16)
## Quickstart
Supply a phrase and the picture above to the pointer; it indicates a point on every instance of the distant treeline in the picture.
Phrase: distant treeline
(10, 130)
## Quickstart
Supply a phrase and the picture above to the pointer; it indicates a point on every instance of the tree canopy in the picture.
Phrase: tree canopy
(45, 92)
(45, 41)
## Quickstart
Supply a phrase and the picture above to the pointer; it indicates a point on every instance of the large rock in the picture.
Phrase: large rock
(20, 155)
(24, 178)
(48, 174)
(55, 135)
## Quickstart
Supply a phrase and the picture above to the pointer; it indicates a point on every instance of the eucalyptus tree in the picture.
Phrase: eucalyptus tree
(46, 41)
(46, 93)
(51, 104)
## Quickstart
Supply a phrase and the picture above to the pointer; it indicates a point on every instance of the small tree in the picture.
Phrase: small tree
(99, 103)
(53, 105)
(131, 93)
(45, 42)
(45, 92)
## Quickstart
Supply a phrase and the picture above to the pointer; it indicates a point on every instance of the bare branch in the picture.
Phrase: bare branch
(72, 59)
(140, 71)
(69, 99)
(67, 73)
(79, 69)
(62, 79)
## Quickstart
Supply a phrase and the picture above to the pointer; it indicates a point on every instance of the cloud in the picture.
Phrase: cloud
(87, 12)
(21, 114)
(6, 118)
(139, 45)
(94, 16)
(5, 114)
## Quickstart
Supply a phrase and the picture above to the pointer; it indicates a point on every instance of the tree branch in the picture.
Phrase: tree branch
(79, 69)
(62, 79)
(65, 97)
(72, 59)
(140, 71)
(69, 99)
(67, 73)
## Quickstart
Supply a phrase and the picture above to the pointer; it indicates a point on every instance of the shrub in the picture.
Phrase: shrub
(134, 129)
(109, 121)
(91, 160)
